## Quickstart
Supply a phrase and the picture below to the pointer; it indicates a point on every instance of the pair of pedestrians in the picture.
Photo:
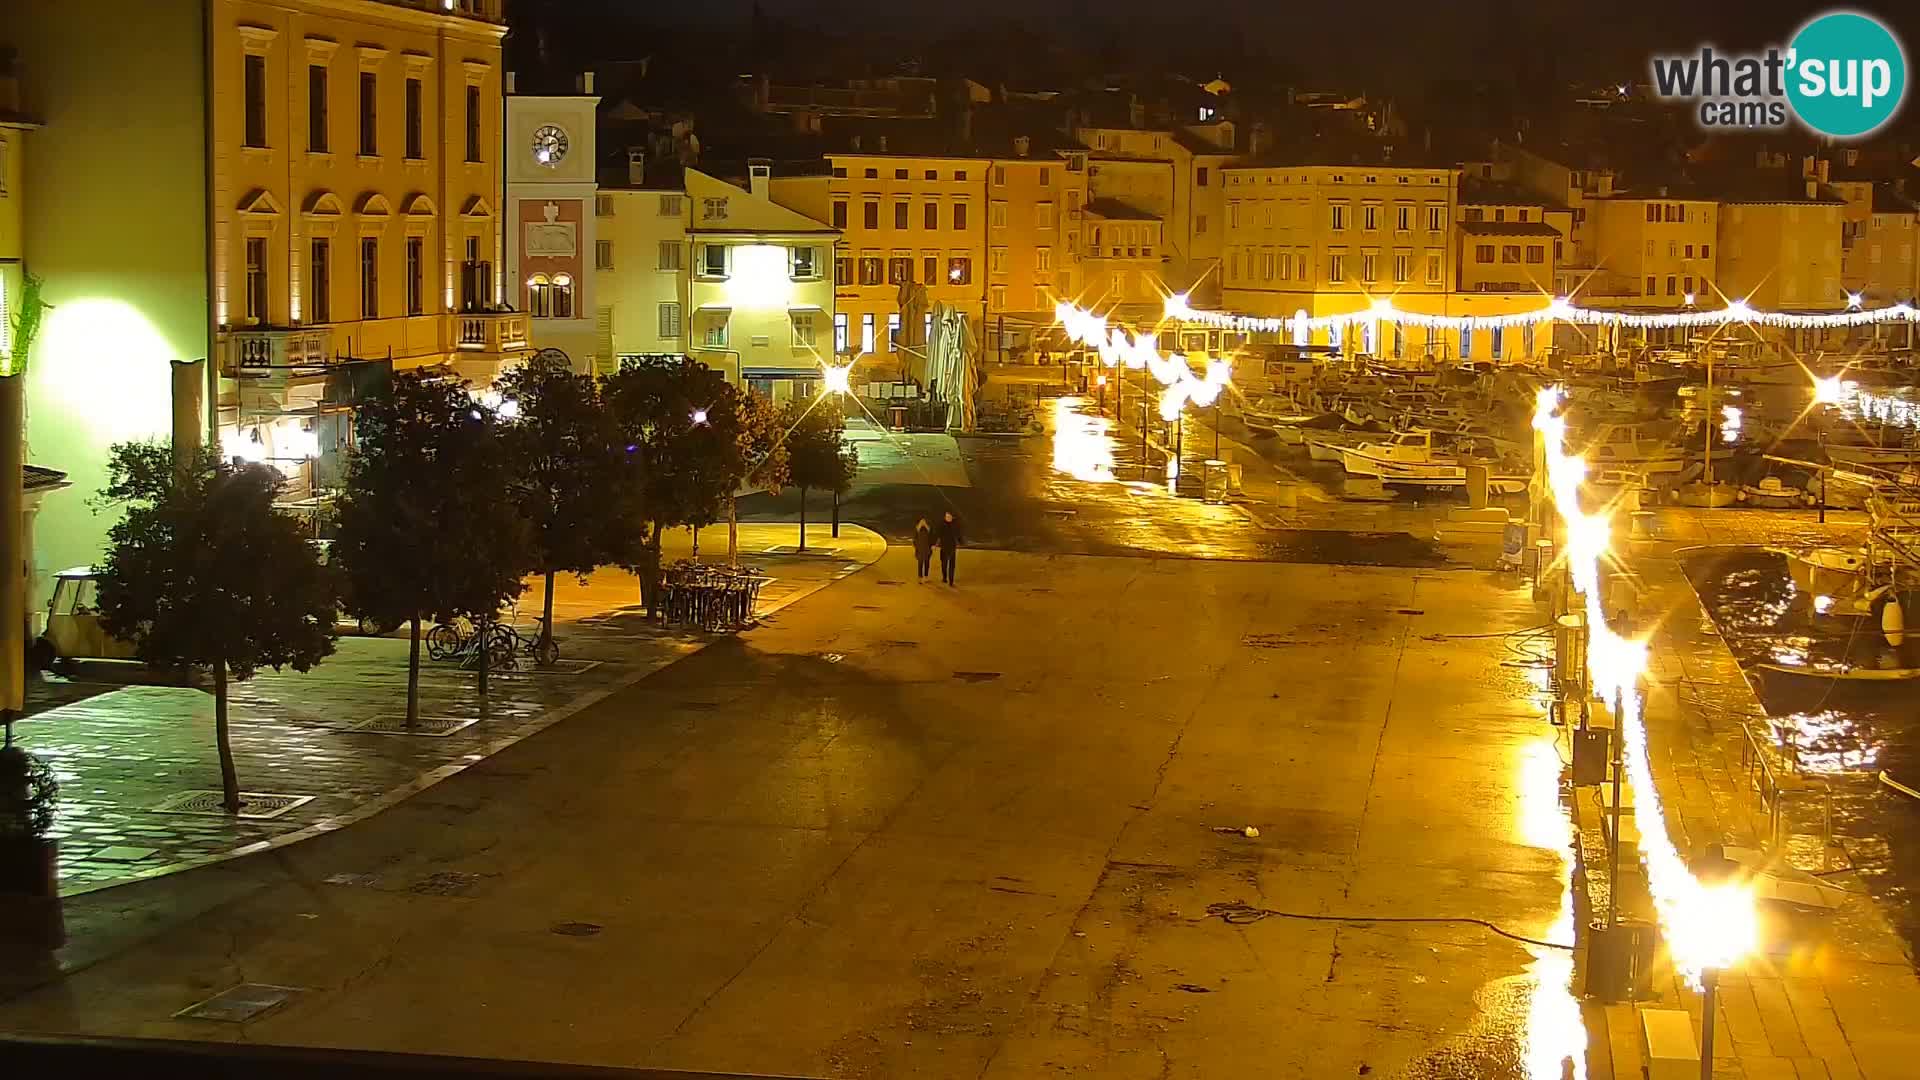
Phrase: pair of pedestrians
(947, 536)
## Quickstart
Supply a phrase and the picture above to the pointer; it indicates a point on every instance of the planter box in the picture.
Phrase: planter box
(30, 894)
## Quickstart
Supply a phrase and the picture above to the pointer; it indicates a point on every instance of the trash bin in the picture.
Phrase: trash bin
(1214, 476)
(1620, 960)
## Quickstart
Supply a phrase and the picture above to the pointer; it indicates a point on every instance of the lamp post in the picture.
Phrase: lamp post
(1710, 984)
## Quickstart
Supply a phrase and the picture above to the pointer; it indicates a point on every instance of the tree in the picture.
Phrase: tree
(818, 456)
(204, 571)
(428, 527)
(568, 458)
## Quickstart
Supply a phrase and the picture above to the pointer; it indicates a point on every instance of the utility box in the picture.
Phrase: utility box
(1667, 1046)
(1590, 748)
(1620, 960)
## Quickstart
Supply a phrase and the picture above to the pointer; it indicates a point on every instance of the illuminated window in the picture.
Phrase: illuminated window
(806, 263)
(257, 279)
(320, 281)
(959, 270)
(802, 329)
(899, 269)
(840, 333)
(893, 332)
(540, 296)
(866, 332)
(669, 325)
(713, 260)
(871, 270)
(256, 91)
(369, 277)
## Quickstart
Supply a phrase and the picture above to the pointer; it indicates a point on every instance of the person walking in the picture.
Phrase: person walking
(949, 545)
(923, 546)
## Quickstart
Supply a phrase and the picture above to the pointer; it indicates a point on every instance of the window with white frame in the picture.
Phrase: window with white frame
(1402, 268)
(997, 214)
(866, 332)
(670, 320)
(713, 209)
(1403, 218)
(1338, 220)
(999, 298)
(1336, 268)
(893, 332)
(840, 333)
(1436, 218)
(1370, 217)
(670, 254)
(1043, 258)
(713, 260)
(997, 260)
(806, 263)
(1043, 216)
(802, 329)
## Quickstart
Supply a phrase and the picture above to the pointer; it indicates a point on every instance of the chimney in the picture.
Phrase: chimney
(1813, 188)
(585, 82)
(759, 178)
(1823, 169)
(883, 144)
(1021, 145)
(509, 83)
(636, 166)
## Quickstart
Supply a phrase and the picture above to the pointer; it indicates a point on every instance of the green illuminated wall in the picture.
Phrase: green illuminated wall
(116, 224)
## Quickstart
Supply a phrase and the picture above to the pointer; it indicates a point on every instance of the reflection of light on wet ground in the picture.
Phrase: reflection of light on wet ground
(1556, 1037)
(1082, 445)
(1828, 741)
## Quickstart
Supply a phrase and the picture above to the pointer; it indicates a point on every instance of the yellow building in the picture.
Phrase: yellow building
(280, 187)
(1780, 244)
(1507, 254)
(1654, 249)
(760, 296)
(1307, 237)
(644, 275)
(904, 218)
(1036, 203)
(1879, 232)
(1167, 184)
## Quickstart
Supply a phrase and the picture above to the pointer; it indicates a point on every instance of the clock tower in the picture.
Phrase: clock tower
(551, 240)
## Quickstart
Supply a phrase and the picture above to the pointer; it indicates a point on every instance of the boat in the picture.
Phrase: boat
(1632, 446)
(1330, 445)
(1700, 495)
(1885, 457)
(1771, 494)
(1409, 459)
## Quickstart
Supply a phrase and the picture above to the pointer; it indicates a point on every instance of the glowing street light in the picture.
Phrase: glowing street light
(699, 418)
(835, 379)
(1829, 391)
(1855, 300)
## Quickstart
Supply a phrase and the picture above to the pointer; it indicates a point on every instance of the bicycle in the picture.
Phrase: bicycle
(448, 639)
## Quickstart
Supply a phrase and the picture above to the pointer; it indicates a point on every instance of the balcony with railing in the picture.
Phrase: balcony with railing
(278, 355)
(491, 331)
(484, 10)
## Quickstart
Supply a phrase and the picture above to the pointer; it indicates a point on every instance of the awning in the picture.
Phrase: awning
(779, 373)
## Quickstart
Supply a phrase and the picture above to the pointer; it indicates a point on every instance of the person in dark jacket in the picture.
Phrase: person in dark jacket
(923, 546)
(949, 544)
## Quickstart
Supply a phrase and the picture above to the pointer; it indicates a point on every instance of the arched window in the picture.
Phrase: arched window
(562, 296)
(539, 297)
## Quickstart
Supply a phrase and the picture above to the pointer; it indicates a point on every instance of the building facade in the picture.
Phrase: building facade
(317, 183)
(644, 275)
(554, 250)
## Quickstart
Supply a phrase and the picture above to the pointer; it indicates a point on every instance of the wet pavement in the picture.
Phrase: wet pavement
(333, 741)
(1095, 816)
(1077, 488)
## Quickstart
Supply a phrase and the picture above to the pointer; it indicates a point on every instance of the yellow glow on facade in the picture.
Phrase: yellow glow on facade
(105, 366)
(759, 278)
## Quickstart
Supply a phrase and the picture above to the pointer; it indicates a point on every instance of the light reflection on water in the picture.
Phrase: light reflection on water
(1082, 442)
(1556, 1037)
(1827, 741)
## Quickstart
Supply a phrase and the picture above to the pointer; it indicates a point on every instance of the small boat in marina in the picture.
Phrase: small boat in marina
(1771, 494)
(1410, 459)
(1632, 446)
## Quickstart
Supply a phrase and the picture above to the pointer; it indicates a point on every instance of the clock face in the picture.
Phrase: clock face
(549, 145)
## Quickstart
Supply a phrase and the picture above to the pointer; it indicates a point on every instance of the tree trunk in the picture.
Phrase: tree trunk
(546, 621)
(413, 673)
(486, 655)
(803, 519)
(229, 780)
(650, 577)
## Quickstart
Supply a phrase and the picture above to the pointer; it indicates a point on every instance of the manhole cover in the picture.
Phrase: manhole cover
(576, 929)
(254, 805)
(1267, 641)
(396, 724)
(976, 676)
(239, 1004)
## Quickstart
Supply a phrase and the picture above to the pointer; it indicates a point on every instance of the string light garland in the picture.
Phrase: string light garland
(1559, 310)
(1142, 352)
